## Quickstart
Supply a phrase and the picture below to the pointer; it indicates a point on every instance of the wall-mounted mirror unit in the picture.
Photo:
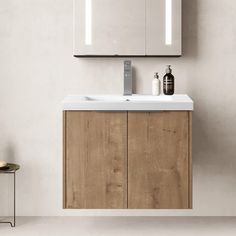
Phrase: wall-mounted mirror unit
(127, 28)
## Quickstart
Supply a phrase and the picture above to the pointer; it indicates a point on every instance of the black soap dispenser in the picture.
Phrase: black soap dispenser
(168, 82)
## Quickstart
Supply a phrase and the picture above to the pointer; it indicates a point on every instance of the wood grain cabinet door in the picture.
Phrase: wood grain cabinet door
(159, 162)
(95, 160)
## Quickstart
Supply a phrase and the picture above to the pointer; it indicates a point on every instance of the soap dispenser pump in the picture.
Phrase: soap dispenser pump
(156, 85)
(168, 82)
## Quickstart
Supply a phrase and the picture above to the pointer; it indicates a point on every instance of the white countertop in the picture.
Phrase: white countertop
(177, 102)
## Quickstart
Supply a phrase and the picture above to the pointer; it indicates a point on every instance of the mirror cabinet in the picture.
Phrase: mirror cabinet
(127, 27)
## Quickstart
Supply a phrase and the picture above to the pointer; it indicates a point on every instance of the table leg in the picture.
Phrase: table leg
(14, 200)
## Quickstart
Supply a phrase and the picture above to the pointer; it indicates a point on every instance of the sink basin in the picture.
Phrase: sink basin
(117, 98)
(127, 103)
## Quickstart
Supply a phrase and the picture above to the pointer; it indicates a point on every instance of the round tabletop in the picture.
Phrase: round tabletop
(10, 167)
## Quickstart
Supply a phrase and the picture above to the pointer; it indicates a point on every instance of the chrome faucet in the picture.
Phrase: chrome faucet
(127, 78)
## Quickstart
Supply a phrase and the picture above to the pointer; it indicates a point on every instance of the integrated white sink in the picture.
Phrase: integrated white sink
(127, 103)
(134, 98)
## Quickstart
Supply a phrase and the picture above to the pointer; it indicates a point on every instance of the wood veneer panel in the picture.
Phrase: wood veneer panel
(190, 159)
(95, 160)
(158, 160)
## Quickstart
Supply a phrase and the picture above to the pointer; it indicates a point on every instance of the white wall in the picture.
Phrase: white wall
(37, 70)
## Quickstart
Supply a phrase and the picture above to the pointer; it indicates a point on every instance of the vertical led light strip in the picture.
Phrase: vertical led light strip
(88, 22)
(168, 22)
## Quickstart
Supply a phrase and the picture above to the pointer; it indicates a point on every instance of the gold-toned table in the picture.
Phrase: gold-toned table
(11, 169)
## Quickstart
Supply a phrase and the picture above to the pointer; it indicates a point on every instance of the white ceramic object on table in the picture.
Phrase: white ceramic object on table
(3, 164)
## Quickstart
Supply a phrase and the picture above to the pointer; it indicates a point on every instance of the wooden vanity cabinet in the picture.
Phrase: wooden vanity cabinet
(95, 160)
(134, 160)
(159, 160)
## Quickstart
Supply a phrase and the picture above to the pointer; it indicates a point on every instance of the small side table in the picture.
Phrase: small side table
(11, 169)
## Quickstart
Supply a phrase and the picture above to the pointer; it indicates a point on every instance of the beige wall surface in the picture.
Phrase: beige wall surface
(37, 70)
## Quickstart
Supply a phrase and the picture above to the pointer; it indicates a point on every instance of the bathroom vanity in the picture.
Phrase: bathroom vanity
(127, 152)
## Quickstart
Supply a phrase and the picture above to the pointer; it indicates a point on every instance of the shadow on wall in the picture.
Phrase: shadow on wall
(213, 145)
(189, 28)
(135, 82)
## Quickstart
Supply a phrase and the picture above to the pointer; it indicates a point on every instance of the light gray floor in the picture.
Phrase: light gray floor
(117, 226)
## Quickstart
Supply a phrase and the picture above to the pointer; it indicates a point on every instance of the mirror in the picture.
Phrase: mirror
(127, 28)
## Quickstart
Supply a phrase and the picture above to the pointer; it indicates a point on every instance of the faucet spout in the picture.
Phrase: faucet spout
(128, 78)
